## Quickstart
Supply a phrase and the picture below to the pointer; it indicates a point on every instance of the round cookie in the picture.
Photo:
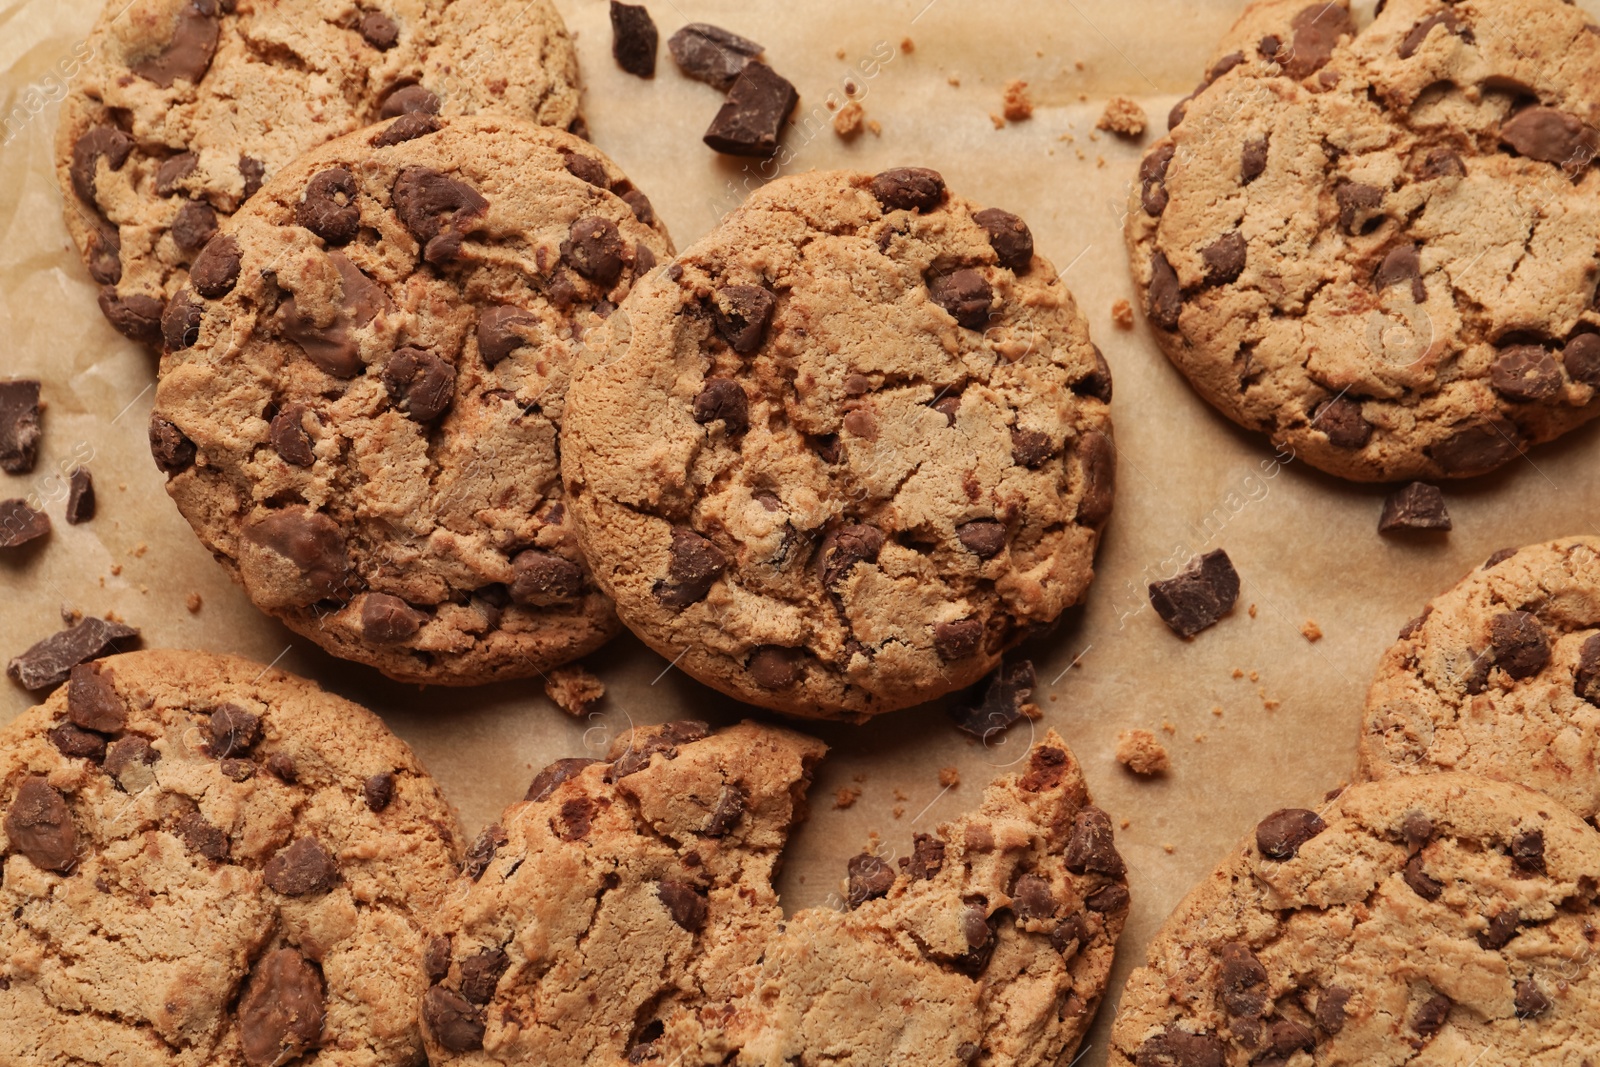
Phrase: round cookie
(1442, 920)
(1379, 246)
(625, 913)
(185, 107)
(207, 861)
(364, 383)
(1500, 676)
(847, 450)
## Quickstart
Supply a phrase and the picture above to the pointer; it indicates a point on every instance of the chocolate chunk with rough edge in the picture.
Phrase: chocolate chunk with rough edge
(1097, 383)
(927, 857)
(51, 660)
(281, 1013)
(128, 763)
(1476, 448)
(480, 973)
(1176, 1047)
(419, 383)
(1099, 458)
(378, 790)
(1070, 936)
(686, 906)
(1551, 136)
(742, 313)
(1165, 294)
(1010, 238)
(1527, 853)
(409, 100)
(1586, 678)
(329, 207)
(388, 620)
(1253, 159)
(1501, 931)
(39, 825)
(775, 667)
(1199, 595)
(502, 330)
(1092, 846)
(1317, 30)
(408, 127)
(1047, 767)
(1280, 835)
(253, 171)
(1419, 32)
(1331, 1007)
(642, 211)
(1285, 1037)
(545, 782)
(1005, 695)
(869, 878)
(1525, 373)
(1430, 1016)
(92, 700)
(187, 56)
(711, 54)
(194, 225)
(481, 854)
(1341, 420)
(1421, 882)
(1225, 258)
(436, 958)
(1530, 1001)
(202, 838)
(730, 809)
(958, 639)
(909, 189)
(594, 249)
(1518, 643)
(74, 743)
(751, 122)
(1402, 265)
(844, 547)
(19, 425)
(1418, 506)
(302, 869)
(984, 538)
(20, 523)
(136, 316)
(438, 210)
(725, 400)
(452, 1020)
(379, 30)
(180, 322)
(1241, 981)
(966, 295)
(216, 268)
(288, 435)
(586, 168)
(1581, 357)
(1360, 207)
(100, 142)
(634, 39)
(312, 542)
(1153, 196)
(1442, 163)
(694, 563)
(232, 730)
(664, 739)
(104, 252)
(542, 579)
(332, 348)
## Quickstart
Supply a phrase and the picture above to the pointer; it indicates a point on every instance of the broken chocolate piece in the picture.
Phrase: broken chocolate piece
(634, 39)
(1198, 596)
(711, 54)
(1280, 835)
(1005, 696)
(19, 425)
(187, 56)
(869, 878)
(751, 122)
(20, 523)
(1418, 506)
(50, 661)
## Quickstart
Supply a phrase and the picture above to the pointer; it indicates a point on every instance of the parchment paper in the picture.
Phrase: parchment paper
(1305, 544)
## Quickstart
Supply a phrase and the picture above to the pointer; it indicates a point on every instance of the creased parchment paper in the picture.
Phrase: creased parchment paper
(1305, 545)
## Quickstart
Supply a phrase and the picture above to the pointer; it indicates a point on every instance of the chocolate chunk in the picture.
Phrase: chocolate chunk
(1070, 937)
(594, 248)
(312, 542)
(775, 667)
(1418, 506)
(1518, 644)
(452, 1021)
(1285, 1038)
(1525, 373)
(1198, 596)
(237, 770)
(958, 639)
(331, 347)
(187, 56)
(387, 620)
(173, 171)
(180, 322)
(216, 268)
(1005, 695)
(909, 189)
(1331, 1007)
(502, 330)
(1241, 981)
(419, 383)
(20, 524)
(438, 210)
(869, 878)
(128, 763)
(664, 739)
(694, 563)
(39, 825)
(329, 207)
(725, 400)
(1476, 448)
(545, 782)
(1586, 678)
(409, 100)
(1501, 931)
(253, 171)
(1225, 258)
(74, 743)
(1253, 160)
(282, 765)
(965, 295)
(1581, 357)
(436, 958)
(711, 54)
(1097, 383)
(92, 700)
(301, 869)
(1175, 1047)
(1010, 238)
(136, 316)
(281, 1012)
(1153, 196)
(542, 579)
(1551, 136)
(481, 972)
(927, 857)
(201, 838)
(1031, 898)
(1047, 767)
(1360, 207)
(1430, 1016)
(646, 214)
(633, 39)
(742, 313)
(105, 252)
(843, 548)
(19, 425)
(48, 662)
(1099, 459)
(289, 438)
(729, 810)
(1165, 294)
(1092, 847)
(1280, 835)
(481, 854)
(751, 122)
(1442, 163)
(100, 142)
(1421, 883)
(587, 168)
(407, 127)
(1530, 1000)
(1317, 30)
(984, 538)
(232, 730)
(686, 906)
(1341, 420)
(194, 225)
(379, 30)
(1527, 854)
(1402, 264)
(1419, 32)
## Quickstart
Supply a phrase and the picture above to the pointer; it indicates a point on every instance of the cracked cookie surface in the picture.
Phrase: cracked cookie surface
(1499, 676)
(211, 862)
(1378, 246)
(625, 914)
(1445, 919)
(185, 107)
(847, 449)
(359, 406)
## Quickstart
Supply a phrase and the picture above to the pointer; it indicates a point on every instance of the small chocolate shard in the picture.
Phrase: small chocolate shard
(711, 54)
(19, 425)
(1010, 238)
(1421, 882)
(957, 639)
(1551, 136)
(80, 497)
(1477, 448)
(482, 852)
(180, 322)
(966, 295)
(74, 743)
(202, 838)
(51, 660)
(694, 564)
(1198, 596)
(313, 543)
(1241, 981)
(1092, 847)
(1005, 696)
(95, 144)
(1525, 373)
(633, 39)
(776, 667)
(20, 523)
(594, 249)
(1332, 1008)
(378, 790)
(729, 810)
(1317, 30)
(724, 400)
(438, 210)
(1527, 854)
(231, 731)
(282, 1010)
(1518, 644)
(751, 122)
(92, 700)
(1165, 294)
(1418, 506)
(1176, 1047)
(1225, 258)
(407, 127)
(845, 547)
(409, 100)
(1430, 1016)
(136, 316)
(129, 761)
(909, 189)
(1419, 33)
(1360, 207)
(927, 857)
(502, 330)
(288, 436)
(216, 269)
(543, 579)
(419, 383)
(984, 538)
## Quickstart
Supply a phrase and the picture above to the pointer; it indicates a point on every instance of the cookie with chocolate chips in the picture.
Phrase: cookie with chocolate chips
(849, 449)
(359, 407)
(192, 876)
(185, 107)
(1376, 243)
(625, 913)
(1440, 919)
(1499, 676)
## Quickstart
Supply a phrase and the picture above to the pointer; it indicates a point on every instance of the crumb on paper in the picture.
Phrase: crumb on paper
(1032, 711)
(846, 796)
(1093, 136)
(1168, 847)
(1168, 728)
(999, 123)
(859, 777)
(955, 80)
(1017, 104)
(1200, 739)
(139, 550)
(900, 794)
(1311, 631)
(847, 123)
(1123, 117)
(949, 777)
(1237, 673)
(1100, 161)
(1266, 701)
(1255, 676)
(1125, 823)
(573, 689)
(840, 54)
(1122, 314)
(113, 616)
(116, 569)
(907, 45)
(1141, 753)
(1252, 611)
(851, 88)
(193, 603)
(1077, 65)
(1216, 709)
(898, 811)
(875, 127)
(829, 104)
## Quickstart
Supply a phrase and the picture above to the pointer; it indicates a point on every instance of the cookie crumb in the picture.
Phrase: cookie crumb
(193, 603)
(116, 569)
(999, 123)
(1141, 753)
(907, 45)
(840, 54)
(898, 811)
(847, 123)
(1077, 64)
(949, 777)
(139, 550)
(1122, 314)
(1123, 117)
(1169, 848)
(875, 127)
(1252, 611)
(1255, 676)
(573, 689)
(1311, 631)
(1017, 104)
(1199, 739)
(1125, 823)
(1216, 709)
(955, 80)
(845, 797)
(1237, 673)
(1168, 728)
(900, 794)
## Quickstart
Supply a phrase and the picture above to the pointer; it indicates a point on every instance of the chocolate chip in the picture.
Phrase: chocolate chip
(1225, 258)
(1175, 1047)
(1286, 1037)
(409, 100)
(965, 295)
(633, 39)
(20, 524)
(419, 383)
(775, 667)
(502, 330)
(725, 400)
(594, 248)
(282, 765)
(742, 313)
(1501, 931)
(1097, 383)
(438, 210)
(1098, 457)
(957, 640)
(909, 189)
(869, 879)
(694, 563)
(1199, 595)
(252, 171)
(1402, 264)
(1525, 373)
(1153, 196)
(664, 739)
(92, 700)
(436, 958)
(542, 579)
(387, 620)
(77, 744)
(1586, 677)
(173, 171)
(104, 253)
(216, 268)
(232, 730)
(288, 435)
(1031, 898)
(100, 142)
(1527, 854)
(180, 322)
(729, 810)
(187, 56)
(1047, 765)
(1360, 207)
(1418, 506)
(201, 838)
(312, 542)
(1518, 644)
(407, 127)
(1419, 32)
(545, 782)
(751, 122)
(844, 547)
(686, 906)
(329, 207)
(927, 857)
(1341, 420)
(194, 225)
(19, 425)
(1005, 695)
(1530, 1000)
(136, 316)
(237, 770)
(1165, 294)
(711, 54)
(1253, 160)
(128, 763)
(1317, 30)
(481, 972)
(1421, 883)
(379, 30)
(984, 538)
(301, 869)
(481, 854)
(1430, 1016)
(39, 825)
(1241, 981)
(1010, 238)
(281, 1012)
(1280, 835)
(51, 660)
(1442, 163)
(1030, 448)
(452, 1021)
(1551, 136)
(1581, 357)
(1331, 1007)
(642, 211)
(1476, 448)
(1092, 846)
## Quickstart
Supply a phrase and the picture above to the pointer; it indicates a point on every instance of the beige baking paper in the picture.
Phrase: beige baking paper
(1305, 545)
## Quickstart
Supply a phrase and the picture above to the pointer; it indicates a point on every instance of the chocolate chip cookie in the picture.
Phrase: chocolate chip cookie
(364, 382)
(187, 106)
(1499, 676)
(207, 861)
(1378, 245)
(846, 450)
(1444, 919)
(625, 913)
